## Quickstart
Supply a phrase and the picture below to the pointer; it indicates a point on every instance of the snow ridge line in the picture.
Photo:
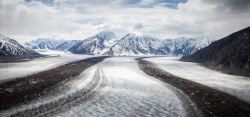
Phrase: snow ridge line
(36, 110)
(80, 96)
(210, 101)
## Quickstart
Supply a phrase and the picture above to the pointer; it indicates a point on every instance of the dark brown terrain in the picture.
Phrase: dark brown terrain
(230, 54)
(20, 58)
(210, 101)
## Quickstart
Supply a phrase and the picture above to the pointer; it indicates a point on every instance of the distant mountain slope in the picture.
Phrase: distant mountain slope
(132, 45)
(230, 54)
(107, 43)
(43, 44)
(97, 44)
(185, 46)
(67, 45)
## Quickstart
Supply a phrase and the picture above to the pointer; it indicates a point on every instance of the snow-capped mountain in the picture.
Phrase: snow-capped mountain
(132, 45)
(107, 43)
(185, 46)
(97, 44)
(43, 43)
(67, 45)
(10, 47)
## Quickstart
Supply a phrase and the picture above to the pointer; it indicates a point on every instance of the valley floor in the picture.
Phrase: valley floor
(238, 86)
(11, 71)
(116, 86)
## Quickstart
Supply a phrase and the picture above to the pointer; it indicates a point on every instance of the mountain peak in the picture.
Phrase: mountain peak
(130, 35)
(10, 47)
(1, 36)
(106, 34)
(148, 37)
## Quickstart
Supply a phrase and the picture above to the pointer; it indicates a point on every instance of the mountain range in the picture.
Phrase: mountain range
(43, 43)
(107, 43)
(96, 45)
(230, 54)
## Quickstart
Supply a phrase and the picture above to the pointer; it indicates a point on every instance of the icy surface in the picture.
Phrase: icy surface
(9, 71)
(62, 92)
(238, 86)
(122, 90)
(128, 92)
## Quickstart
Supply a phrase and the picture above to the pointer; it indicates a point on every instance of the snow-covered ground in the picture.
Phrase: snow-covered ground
(122, 90)
(64, 92)
(238, 86)
(129, 92)
(10, 71)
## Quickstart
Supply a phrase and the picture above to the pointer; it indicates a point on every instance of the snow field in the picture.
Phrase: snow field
(66, 92)
(238, 86)
(129, 92)
(10, 71)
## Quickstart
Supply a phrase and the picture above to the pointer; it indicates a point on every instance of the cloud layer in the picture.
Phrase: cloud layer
(78, 19)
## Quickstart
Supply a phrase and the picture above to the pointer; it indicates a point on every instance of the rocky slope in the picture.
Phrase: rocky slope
(230, 54)
(10, 47)
(12, 51)
(185, 46)
(66, 45)
(107, 43)
(132, 45)
(96, 45)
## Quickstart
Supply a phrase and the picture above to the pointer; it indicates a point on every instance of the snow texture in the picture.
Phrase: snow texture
(96, 45)
(238, 86)
(34, 66)
(133, 45)
(129, 92)
(123, 90)
(43, 44)
(66, 45)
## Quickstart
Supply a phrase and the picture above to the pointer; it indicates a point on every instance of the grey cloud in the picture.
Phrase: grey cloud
(233, 5)
(99, 2)
(138, 26)
(78, 19)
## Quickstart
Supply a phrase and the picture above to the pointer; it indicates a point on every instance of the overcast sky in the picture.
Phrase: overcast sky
(26, 20)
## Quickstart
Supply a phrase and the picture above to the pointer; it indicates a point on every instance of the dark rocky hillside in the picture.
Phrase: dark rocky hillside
(230, 54)
(12, 51)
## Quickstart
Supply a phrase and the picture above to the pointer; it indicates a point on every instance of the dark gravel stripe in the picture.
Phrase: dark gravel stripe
(23, 90)
(210, 101)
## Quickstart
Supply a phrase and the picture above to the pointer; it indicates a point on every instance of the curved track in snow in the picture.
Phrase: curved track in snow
(114, 87)
(127, 91)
